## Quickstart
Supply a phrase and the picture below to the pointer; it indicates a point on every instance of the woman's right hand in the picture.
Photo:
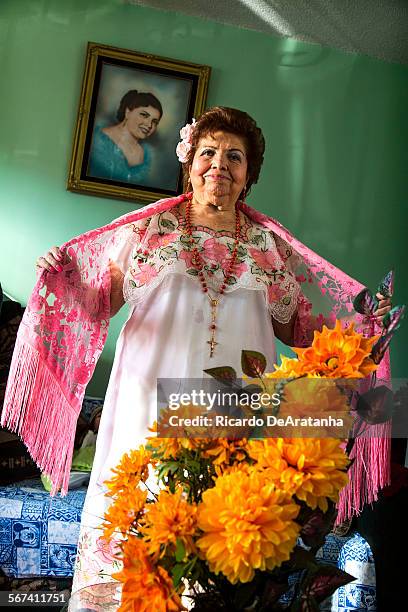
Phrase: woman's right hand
(51, 261)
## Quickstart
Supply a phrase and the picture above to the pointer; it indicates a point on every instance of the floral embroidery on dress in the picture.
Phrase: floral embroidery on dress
(96, 559)
(262, 264)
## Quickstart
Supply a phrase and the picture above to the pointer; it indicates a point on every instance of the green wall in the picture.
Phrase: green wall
(335, 126)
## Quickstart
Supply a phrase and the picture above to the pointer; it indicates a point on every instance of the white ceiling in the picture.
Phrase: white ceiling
(373, 27)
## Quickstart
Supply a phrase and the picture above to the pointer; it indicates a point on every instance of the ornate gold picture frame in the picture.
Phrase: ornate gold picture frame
(131, 109)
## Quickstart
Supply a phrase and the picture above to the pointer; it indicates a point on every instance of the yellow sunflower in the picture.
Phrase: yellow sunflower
(170, 518)
(145, 587)
(132, 469)
(338, 353)
(248, 524)
(124, 511)
(289, 368)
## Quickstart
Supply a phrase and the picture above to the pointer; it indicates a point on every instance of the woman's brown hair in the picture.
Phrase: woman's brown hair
(233, 121)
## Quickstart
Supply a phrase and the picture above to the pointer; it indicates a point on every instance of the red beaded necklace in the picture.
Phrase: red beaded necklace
(198, 263)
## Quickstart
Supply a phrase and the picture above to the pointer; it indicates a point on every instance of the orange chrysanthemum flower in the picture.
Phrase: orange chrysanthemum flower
(312, 469)
(170, 518)
(316, 467)
(267, 454)
(225, 451)
(248, 524)
(169, 448)
(132, 469)
(313, 399)
(123, 513)
(145, 587)
(338, 353)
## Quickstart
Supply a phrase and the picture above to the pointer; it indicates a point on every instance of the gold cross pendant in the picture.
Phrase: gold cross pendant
(212, 344)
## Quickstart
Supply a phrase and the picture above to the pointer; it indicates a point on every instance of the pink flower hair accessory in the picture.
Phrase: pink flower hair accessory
(184, 146)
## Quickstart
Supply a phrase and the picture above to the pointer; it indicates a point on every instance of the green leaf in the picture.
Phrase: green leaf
(166, 468)
(167, 252)
(172, 467)
(250, 390)
(195, 570)
(185, 240)
(376, 405)
(167, 223)
(257, 239)
(307, 604)
(192, 271)
(222, 373)
(194, 466)
(302, 559)
(253, 363)
(245, 594)
(177, 573)
(256, 270)
(182, 570)
(180, 550)
(317, 525)
(273, 590)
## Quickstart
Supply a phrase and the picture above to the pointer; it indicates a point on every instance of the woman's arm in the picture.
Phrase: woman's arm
(116, 296)
(285, 331)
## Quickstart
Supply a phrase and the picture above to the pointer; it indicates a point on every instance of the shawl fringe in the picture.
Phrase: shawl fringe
(29, 410)
(369, 473)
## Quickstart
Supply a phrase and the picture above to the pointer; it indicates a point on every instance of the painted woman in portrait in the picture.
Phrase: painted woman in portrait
(119, 152)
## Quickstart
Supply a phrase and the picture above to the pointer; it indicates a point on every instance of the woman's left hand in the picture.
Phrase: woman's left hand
(384, 306)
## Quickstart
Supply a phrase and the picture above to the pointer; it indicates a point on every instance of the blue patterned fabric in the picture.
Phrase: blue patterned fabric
(352, 554)
(292, 581)
(329, 554)
(356, 559)
(90, 405)
(38, 533)
(330, 551)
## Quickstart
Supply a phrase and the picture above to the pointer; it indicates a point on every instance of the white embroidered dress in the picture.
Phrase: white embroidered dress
(166, 336)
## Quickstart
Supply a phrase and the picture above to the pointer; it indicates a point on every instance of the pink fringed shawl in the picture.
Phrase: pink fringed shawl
(64, 329)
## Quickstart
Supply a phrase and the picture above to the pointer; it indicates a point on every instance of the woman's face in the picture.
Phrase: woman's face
(220, 167)
(142, 121)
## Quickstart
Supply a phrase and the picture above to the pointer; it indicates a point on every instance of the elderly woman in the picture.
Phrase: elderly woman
(205, 276)
(119, 152)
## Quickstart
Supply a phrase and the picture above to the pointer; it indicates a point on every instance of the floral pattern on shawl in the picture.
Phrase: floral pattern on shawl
(261, 265)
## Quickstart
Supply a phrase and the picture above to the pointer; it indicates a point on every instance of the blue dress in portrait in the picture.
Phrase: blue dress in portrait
(106, 160)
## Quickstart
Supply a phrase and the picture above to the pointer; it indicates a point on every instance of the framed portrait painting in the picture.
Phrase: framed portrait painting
(131, 109)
